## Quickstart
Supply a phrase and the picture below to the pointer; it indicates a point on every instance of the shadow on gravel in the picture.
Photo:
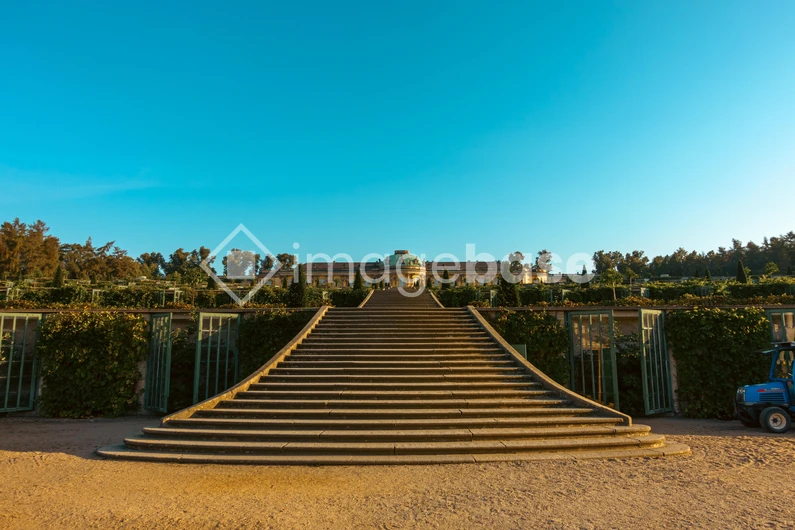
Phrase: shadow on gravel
(74, 437)
(690, 427)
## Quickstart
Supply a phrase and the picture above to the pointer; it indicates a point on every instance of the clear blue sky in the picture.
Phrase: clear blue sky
(370, 126)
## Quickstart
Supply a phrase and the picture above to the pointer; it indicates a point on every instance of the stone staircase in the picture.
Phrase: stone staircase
(399, 381)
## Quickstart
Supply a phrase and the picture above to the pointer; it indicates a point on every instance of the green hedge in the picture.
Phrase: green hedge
(89, 363)
(715, 352)
(262, 335)
(546, 339)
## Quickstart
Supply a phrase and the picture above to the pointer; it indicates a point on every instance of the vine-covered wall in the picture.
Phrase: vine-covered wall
(716, 352)
(89, 363)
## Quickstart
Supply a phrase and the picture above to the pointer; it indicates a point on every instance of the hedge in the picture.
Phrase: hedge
(89, 363)
(546, 339)
(262, 335)
(716, 352)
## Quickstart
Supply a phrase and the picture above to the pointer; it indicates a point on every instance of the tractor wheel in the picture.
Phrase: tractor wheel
(775, 420)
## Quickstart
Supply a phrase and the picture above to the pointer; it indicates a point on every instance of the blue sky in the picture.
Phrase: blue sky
(361, 127)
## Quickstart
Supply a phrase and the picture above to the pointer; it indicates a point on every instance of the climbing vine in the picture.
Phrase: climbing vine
(716, 352)
(546, 339)
(89, 363)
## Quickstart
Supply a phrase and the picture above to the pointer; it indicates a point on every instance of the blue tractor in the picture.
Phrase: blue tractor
(770, 404)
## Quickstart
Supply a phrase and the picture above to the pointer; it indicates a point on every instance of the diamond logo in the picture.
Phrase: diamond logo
(240, 264)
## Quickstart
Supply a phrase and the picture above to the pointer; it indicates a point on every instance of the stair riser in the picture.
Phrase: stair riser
(293, 364)
(452, 435)
(363, 387)
(381, 415)
(395, 371)
(362, 395)
(396, 378)
(395, 425)
(493, 447)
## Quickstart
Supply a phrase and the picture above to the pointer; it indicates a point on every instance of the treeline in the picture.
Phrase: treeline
(29, 251)
(774, 256)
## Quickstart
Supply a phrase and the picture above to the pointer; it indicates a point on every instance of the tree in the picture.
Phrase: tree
(266, 263)
(789, 270)
(742, 274)
(287, 260)
(153, 264)
(296, 297)
(607, 260)
(445, 279)
(631, 274)
(57, 280)
(611, 278)
(211, 282)
(26, 251)
(358, 281)
(771, 268)
(708, 275)
(509, 291)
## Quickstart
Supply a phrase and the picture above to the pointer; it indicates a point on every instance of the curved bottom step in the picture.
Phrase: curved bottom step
(123, 452)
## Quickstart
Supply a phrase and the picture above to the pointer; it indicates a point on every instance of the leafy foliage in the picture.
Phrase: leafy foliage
(262, 335)
(546, 339)
(715, 354)
(630, 372)
(89, 362)
(297, 291)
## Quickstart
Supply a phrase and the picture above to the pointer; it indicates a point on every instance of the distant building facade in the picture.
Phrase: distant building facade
(403, 269)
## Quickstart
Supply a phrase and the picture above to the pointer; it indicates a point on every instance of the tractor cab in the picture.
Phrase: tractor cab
(770, 404)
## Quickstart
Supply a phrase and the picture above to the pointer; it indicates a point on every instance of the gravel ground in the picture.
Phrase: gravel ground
(736, 478)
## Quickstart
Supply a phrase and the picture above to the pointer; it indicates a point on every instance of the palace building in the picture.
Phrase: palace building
(404, 269)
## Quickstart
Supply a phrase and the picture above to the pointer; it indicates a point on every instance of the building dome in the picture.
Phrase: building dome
(404, 258)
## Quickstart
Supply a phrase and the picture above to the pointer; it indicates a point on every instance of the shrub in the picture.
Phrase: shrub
(630, 373)
(296, 296)
(546, 339)
(715, 352)
(262, 335)
(183, 365)
(89, 362)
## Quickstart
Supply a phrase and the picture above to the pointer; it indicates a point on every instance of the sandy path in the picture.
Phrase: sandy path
(736, 478)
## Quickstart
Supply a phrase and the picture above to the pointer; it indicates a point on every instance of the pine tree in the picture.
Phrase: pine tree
(445, 279)
(509, 292)
(57, 280)
(708, 275)
(742, 276)
(358, 281)
(296, 297)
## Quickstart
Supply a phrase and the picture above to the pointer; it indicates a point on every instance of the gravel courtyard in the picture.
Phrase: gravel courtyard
(736, 478)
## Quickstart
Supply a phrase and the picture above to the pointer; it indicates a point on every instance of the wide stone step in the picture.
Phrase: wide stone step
(396, 370)
(400, 349)
(393, 435)
(123, 452)
(397, 378)
(302, 363)
(313, 356)
(266, 384)
(399, 346)
(393, 414)
(388, 394)
(394, 424)
(398, 448)
(359, 339)
(341, 403)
